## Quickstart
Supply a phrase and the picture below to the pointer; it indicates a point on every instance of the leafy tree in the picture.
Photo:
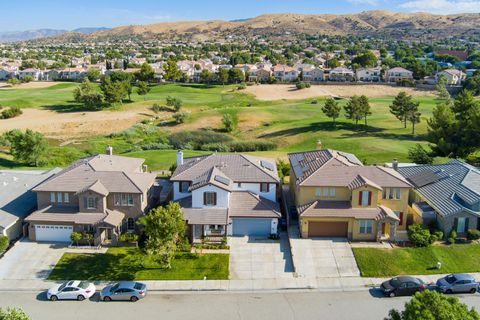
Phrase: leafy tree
(222, 76)
(164, 229)
(236, 75)
(353, 109)
(93, 74)
(442, 129)
(413, 115)
(76, 237)
(367, 59)
(127, 86)
(146, 73)
(113, 92)
(404, 108)
(473, 83)
(28, 147)
(431, 305)
(13, 314)
(86, 93)
(176, 103)
(206, 76)
(441, 88)
(364, 107)
(171, 71)
(228, 122)
(120, 76)
(143, 89)
(331, 109)
(417, 154)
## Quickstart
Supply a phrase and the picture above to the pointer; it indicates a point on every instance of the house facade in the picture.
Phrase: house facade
(369, 74)
(446, 195)
(341, 75)
(103, 195)
(454, 77)
(284, 73)
(336, 196)
(398, 74)
(227, 194)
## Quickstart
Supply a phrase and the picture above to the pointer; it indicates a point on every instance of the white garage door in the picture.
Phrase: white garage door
(53, 233)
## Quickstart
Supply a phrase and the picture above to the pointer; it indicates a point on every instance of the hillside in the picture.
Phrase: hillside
(13, 36)
(369, 23)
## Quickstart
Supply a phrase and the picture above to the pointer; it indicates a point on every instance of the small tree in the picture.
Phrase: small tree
(364, 107)
(419, 235)
(417, 154)
(87, 94)
(29, 147)
(93, 74)
(222, 76)
(331, 109)
(113, 92)
(165, 229)
(176, 103)
(405, 109)
(431, 305)
(127, 86)
(441, 88)
(76, 237)
(180, 117)
(228, 122)
(4, 241)
(13, 314)
(353, 109)
(413, 115)
(171, 71)
(143, 89)
(146, 73)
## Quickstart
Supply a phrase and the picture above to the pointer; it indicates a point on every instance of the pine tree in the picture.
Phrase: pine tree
(365, 107)
(353, 109)
(331, 109)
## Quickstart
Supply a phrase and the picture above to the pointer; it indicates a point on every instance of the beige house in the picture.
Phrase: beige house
(454, 77)
(336, 196)
(398, 74)
(103, 195)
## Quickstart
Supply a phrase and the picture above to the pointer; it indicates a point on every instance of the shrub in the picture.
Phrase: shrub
(11, 112)
(302, 85)
(180, 117)
(76, 237)
(128, 237)
(196, 139)
(155, 146)
(228, 122)
(451, 241)
(176, 103)
(453, 237)
(218, 147)
(241, 86)
(3, 243)
(473, 234)
(240, 146)
(419, 235)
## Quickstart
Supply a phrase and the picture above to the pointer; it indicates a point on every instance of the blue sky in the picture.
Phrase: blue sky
(66, 14)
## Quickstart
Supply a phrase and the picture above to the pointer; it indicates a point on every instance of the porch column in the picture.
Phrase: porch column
(379, 230)
(393, 230)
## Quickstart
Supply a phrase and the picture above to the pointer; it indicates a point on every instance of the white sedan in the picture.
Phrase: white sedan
(72, 290)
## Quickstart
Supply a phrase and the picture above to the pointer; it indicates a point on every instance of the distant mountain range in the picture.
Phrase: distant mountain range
(13, 36)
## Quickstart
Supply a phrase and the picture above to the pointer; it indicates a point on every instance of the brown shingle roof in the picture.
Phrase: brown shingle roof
(343, 209)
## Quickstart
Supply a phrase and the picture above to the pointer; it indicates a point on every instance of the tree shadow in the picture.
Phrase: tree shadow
(9, 163)
(70, 106)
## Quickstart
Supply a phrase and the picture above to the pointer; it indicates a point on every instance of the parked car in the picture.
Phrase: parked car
(457, 282)
(72, 290)
(402, 286)
(125, 290)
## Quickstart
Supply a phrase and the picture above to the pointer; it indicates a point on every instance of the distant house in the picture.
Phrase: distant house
(36, 74)
(17, 200)
(454, 77)
(71, 74)
(8, 73)
(447, 195)
(284, 73)
(259, 74)
(369, 74)
(341, 75)
(310, 72)
(398, 74)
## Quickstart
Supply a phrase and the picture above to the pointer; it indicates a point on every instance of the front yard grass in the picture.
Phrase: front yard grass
(126, 264)
(374, 262)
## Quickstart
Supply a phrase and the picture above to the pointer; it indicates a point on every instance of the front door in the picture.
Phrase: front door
(108, 235)
(461, 225)
(384, 229)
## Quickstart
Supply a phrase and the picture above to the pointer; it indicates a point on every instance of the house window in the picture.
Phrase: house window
(366, 226)
(365, 198)
(124, 199)
(210, 198)
(130, 224)
(332, 192)
(66, 198)
(184, 185)
(90, 203)
(264, 187)
(130, 199)
(59, 197)
(390, 193)
(239, 185)
(52, 197)
(318, 192)
(325, 192)
(397, 193)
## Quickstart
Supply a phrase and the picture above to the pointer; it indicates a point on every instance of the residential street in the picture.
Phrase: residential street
(356, 305)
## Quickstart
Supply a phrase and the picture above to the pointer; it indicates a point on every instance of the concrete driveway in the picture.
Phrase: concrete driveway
(260, 258)
(324, 258)
(30, 260)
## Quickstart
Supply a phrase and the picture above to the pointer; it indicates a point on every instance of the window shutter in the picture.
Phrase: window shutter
(204, 198)
(369, 197)
(268, 187)
(401, 218)
(359, 198)
(96, 202)
(85, 202)
(214, 198)
(466, 224)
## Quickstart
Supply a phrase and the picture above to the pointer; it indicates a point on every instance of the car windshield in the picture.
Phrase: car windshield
(62, 286)
(83, 284)
(115, 287)
(395, 282)
(451, 278)
(138, 286)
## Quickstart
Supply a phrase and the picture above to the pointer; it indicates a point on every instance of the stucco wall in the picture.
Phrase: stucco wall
(223, 197)
(255, 188)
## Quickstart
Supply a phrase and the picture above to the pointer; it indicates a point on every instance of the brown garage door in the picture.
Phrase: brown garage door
(327, 229)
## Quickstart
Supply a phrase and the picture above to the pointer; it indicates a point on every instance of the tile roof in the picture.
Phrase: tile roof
(248, 204)
(115, 173)
(216, 216)
(455, 190)
(343, 209)
(70, 214)
(214, 177)
(96, 187)
(236, 167)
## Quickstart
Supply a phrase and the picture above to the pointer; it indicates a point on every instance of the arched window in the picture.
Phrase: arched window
(130, 224)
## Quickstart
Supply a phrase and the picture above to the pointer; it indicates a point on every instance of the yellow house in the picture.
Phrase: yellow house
(337, 196)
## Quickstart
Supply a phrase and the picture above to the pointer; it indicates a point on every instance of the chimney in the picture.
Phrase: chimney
(319, 144)
(109, 150)
(395, 164)
(179, 158)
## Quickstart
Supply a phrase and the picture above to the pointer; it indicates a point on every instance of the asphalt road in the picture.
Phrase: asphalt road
(211, 306)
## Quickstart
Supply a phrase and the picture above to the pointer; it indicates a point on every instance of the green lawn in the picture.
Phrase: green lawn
(126, 264)
(374, 262)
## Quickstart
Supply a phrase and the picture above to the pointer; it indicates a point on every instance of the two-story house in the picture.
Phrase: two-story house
(102, 194)
(453, 77)
(284, 73)
(341, 75)
(227, 194)
(369, 74)
(336, 196)
(398, 74)
(447, 195)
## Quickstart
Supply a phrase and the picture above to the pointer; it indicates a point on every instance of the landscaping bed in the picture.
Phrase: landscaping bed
(127, 264)
(374, 262)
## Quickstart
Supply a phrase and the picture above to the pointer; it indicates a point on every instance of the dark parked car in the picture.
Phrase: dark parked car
(402, 286)
(457, 282)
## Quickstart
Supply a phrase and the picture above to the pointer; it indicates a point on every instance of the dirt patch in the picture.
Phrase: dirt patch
(30, 85)
(268, 92)
(75, 124)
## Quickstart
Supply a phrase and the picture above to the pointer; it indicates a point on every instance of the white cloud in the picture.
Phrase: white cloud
(443, 6)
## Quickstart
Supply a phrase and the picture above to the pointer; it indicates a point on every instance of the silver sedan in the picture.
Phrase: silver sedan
(124, 291)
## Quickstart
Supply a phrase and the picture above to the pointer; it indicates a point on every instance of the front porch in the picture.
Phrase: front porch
(199, 233)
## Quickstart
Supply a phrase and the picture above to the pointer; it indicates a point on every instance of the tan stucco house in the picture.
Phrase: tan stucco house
(337, 196)
(102, 194)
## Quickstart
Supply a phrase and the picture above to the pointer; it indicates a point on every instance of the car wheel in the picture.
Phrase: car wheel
(106, 299)
(80, 298)
(449, 291)
(473, 290)
(53, 298)
(391, 294)
(134, 299)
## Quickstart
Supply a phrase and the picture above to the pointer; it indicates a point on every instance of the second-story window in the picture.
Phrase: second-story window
(264, 187)
(59, 197)
(66, 197)
(90, 203)
(184, 185)
(332, 192)
(210, 198)
(123, 199)
(391, 193)
(318, 192)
